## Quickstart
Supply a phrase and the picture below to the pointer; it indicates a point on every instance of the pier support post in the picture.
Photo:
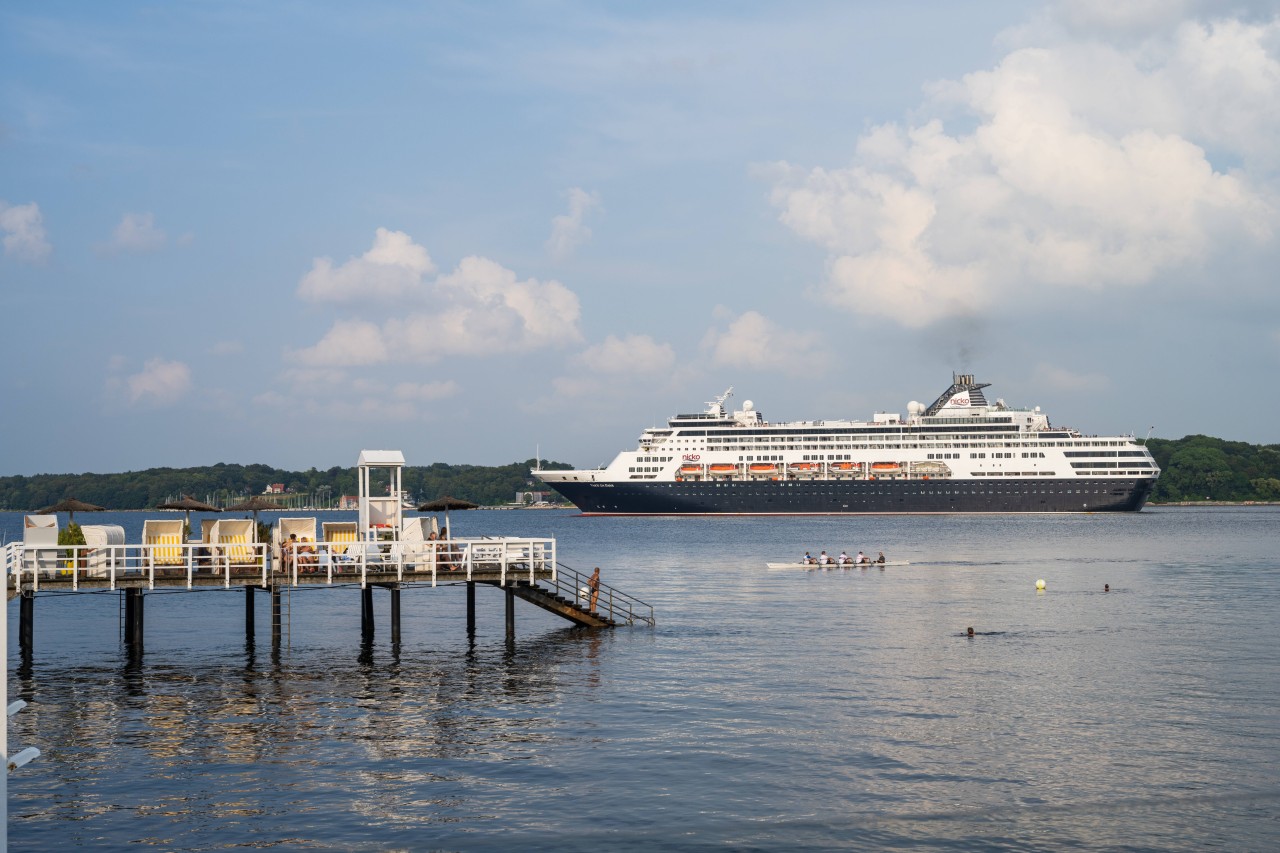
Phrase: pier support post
(511, 613)
(248, 613)
(366, 613)
(26, 620)
(133, 617)
(395, 613)
(471, 609)
(275, 615)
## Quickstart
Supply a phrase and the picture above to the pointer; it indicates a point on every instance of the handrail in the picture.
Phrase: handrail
(525, 561)
(613, 604)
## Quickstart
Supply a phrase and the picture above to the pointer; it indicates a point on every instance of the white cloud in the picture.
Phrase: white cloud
(160, 382)
(425, 392)
(347, 343)
(615, 369)
(567, 230)
(634, 354)
(1081, 170)
(137, 232)
(755, 342)
(23, 227)
(336, 395)
(1058, 378)
(394, 268)
(481, 308)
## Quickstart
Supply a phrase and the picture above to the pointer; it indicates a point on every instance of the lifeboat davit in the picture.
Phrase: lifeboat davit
(722, 469)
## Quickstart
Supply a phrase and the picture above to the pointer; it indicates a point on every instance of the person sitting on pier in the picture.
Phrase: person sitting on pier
(447, 556)
(287, 549)
(306, 555)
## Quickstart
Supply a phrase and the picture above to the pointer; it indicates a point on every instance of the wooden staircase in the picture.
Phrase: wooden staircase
(563, 596)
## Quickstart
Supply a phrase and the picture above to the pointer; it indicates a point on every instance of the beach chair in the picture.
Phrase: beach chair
(233, 539)
(40, 530)
(339, 536)
(163, 539)
(413, 546)
(108, 548)
(304, 529)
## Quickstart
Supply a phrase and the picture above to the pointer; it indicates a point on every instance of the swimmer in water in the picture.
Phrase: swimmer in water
(970, 632)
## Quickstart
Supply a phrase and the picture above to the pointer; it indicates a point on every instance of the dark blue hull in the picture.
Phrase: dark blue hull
(853, 497)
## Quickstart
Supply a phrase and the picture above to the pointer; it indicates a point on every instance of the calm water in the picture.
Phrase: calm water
(768, 710)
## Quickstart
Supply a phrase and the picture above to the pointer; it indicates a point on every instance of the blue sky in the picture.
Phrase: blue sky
(281, 233)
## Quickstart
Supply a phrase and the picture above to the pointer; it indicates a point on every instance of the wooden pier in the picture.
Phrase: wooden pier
(381, 549)
(521, 568)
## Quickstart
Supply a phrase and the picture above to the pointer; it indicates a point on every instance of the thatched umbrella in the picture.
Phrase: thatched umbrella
(71, 506)
(255, 504)
(189, 504)
(446, 503)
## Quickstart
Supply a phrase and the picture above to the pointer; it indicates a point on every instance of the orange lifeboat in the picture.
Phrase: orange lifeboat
(763, 468)
(804, 466)
(844, 466)
(722, 469)
(885, 467)
(690, 469)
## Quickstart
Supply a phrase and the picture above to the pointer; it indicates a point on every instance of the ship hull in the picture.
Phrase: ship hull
(856, 497)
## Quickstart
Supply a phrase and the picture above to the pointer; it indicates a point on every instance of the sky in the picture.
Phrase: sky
(283, 233)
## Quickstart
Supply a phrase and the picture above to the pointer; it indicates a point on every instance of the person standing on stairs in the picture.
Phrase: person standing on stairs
(594, 585)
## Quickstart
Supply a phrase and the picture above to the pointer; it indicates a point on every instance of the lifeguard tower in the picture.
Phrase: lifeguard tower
(381, 517)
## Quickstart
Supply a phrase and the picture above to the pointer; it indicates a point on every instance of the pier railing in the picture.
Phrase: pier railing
(70, 566)
(612, 603)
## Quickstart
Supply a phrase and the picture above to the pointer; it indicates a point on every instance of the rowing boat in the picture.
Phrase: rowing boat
(777, 567)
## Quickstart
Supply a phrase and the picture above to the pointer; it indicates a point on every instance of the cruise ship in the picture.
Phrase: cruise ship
(961, 454)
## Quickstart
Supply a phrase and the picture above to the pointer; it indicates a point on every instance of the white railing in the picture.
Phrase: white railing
(241, 563)
(32, 564)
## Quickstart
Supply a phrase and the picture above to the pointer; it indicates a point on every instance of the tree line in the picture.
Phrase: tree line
(224, 484)
(1200, 467)
(1194, 468)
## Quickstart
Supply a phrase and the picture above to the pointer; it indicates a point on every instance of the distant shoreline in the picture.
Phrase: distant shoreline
(1214, 503)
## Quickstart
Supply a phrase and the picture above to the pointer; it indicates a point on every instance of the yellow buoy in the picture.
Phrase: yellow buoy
(1040, 584)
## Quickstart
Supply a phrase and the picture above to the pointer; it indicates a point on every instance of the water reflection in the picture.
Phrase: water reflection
(834, 709)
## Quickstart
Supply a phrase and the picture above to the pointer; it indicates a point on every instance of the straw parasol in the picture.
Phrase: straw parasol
(255, 504)
(188, 504)
(71, 506)
(445, 504)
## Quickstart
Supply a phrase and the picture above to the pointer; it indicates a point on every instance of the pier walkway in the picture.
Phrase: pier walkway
(527, 567)
(381, 548)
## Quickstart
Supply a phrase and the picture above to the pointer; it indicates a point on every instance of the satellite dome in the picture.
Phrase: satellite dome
(915, 407)
(747, 405)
